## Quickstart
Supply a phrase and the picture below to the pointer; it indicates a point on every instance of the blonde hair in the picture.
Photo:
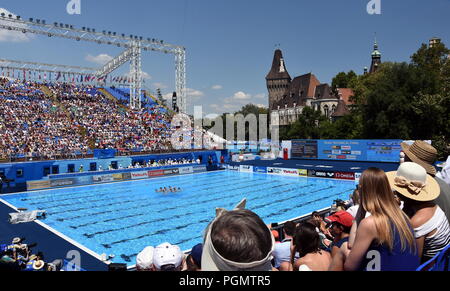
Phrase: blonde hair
(377, 198)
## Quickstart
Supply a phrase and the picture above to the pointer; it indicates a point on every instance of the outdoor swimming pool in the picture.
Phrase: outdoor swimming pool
(123, 218)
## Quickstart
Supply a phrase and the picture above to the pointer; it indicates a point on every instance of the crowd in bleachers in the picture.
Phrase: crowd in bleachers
(74, 120)
(393, 221)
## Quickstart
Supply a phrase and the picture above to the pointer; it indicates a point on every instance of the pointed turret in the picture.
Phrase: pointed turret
(278, 79)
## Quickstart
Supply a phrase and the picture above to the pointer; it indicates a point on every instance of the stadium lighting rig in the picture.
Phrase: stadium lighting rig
(133, 46)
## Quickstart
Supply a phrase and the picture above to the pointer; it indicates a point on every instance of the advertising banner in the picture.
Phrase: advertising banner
(139, 175)
(156, 173)
(102, 178)
(186, 170)
(233, 168)
(246, 169)
(38, 185)
(170, 172)
(62, 182)
(303, 172)
(344, 176)
(290, 172)
(260, 170)
(126, 176)
(274, 171)
(321, 174)
(117, 177)
(199, 169)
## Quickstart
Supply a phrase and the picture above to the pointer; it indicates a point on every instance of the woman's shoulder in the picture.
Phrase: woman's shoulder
(423, 216)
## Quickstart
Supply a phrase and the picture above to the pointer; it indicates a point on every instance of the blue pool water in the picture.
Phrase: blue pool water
(123, 218)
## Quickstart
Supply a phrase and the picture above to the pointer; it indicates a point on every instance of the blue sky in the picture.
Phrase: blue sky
(230, 43)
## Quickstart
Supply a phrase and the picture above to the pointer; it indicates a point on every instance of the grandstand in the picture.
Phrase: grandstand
(49, 120)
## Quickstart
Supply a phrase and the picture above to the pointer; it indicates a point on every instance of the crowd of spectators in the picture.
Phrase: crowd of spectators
(74, 120)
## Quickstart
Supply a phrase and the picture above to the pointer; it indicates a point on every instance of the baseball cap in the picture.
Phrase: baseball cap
(342, 217)
(166, 254)
(144, 259)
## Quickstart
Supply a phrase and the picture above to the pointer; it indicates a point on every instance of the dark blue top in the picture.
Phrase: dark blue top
(340, 243)
(381, 258)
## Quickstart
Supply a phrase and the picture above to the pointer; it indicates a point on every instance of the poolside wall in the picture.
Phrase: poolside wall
(291, 172)
(24, 172)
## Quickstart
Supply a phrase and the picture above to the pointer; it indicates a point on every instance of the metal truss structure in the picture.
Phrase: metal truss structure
(42, 67)
(133, 45)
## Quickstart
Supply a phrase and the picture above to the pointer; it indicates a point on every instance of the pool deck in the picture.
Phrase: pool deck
(337, 166)
(51, 245)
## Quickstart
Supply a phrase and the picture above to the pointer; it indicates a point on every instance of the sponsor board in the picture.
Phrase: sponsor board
(246, 169)
(102, 178)
(139, 175)
(155, 173)
(199, 169)
(62, 182)
(38, 185)
(126, 176)
(290, 172)
(274, 171)
(117, 177)
(260, 170)
(233, 168)
(303, 172)
(321, 174)
(170, 172)
(344, 176)
(186, 170)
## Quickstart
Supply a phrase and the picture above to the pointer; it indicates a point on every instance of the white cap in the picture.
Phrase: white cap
(167, 254)
(144, 259)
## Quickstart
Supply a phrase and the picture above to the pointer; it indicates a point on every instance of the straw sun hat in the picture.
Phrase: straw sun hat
(412, 181)
(421, 153)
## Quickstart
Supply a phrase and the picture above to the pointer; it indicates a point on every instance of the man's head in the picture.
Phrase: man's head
(341, 223)
(167, 257)
(289, 228)
(237, 240)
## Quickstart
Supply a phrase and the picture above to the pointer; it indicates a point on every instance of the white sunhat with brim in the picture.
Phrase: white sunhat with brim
(412, 181)
(37, 265)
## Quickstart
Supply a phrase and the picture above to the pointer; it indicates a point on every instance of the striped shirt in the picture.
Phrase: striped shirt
(436, 243)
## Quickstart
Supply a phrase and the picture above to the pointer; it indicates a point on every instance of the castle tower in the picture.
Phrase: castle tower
(278, 80)
(376, 58)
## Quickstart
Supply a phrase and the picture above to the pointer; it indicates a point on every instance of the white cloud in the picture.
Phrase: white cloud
(217, 87)
(10, 35)
(194, 93)
(160, 85)
(145, 75)
(101, 59)
(241, 96)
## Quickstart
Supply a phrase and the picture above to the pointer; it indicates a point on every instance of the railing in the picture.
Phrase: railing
(78, 156)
